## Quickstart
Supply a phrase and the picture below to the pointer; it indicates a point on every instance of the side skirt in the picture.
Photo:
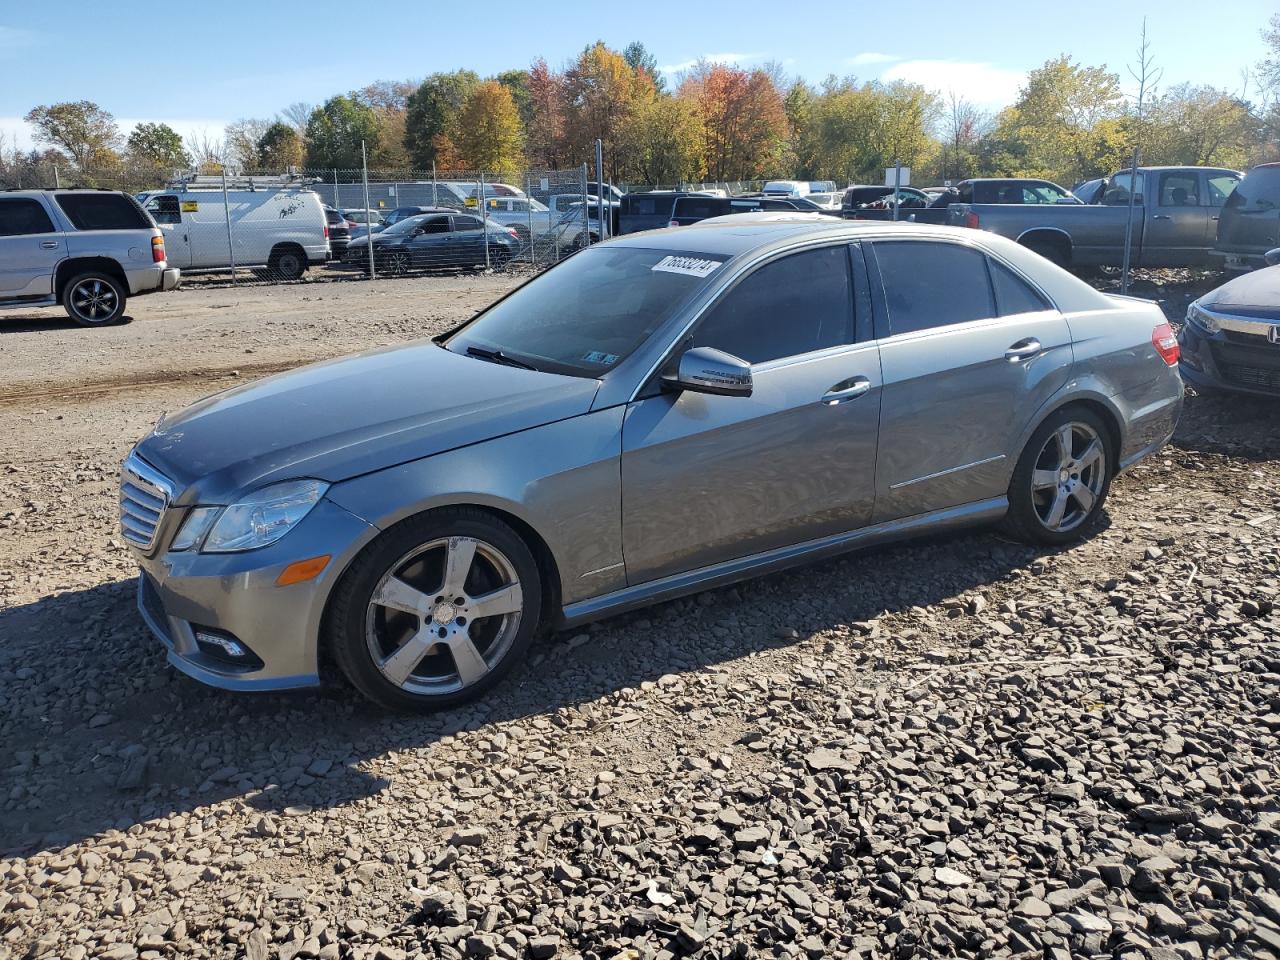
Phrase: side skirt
(771, 561)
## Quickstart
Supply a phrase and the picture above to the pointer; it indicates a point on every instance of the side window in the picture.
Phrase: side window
(929, 284)
(1220, 187)
(436, 225)
(1179, 190)
(20, 217)
(798, 304)
(1013, 294)
(1117, 193)
(164, 209)
(467, 223)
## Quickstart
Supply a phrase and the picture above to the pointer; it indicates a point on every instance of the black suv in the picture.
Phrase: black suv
(1250, 219)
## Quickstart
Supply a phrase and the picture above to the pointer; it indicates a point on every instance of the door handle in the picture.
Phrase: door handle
(49, 244)
(1161, 216)
(1215, 218)
(1023, 350)
(846, 390)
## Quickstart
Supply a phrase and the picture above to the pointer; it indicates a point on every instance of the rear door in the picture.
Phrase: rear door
(1218, 185)
(30, 248)
(468, 240)
(434, 246)
(1250, 224)
(1177, 222)
(707, 479)
(969, 353)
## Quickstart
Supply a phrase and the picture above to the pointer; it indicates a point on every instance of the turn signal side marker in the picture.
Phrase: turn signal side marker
(302, 570)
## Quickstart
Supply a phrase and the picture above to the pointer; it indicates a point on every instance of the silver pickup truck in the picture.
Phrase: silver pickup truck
(87, 251)
(1175, 221)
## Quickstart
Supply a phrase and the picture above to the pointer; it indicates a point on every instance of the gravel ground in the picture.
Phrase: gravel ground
(963, 747)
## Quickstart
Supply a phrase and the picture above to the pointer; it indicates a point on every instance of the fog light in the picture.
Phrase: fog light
(228, 645)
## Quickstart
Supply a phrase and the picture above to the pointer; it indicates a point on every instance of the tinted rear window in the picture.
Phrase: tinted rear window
(646, 206)
(1259, 188)
(1013, 294)
(701, 207)
(930, 284)
(103, 211)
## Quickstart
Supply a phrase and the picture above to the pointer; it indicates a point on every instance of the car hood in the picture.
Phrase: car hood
(1255, 294)
(346, 417)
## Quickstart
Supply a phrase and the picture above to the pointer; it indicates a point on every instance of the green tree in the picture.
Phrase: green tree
(81, 129)
(1269, 66)
(335, 131)
(1200, 126)
(488, 135)
(639, 58)
(430, 112)
(240, 141)
(666, 142)
(280, 147)
(159, 146)
(517, 83)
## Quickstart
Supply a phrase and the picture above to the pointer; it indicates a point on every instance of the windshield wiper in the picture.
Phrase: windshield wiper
(497, 356)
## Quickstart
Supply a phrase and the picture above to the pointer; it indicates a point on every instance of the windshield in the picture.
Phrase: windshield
(592, 311)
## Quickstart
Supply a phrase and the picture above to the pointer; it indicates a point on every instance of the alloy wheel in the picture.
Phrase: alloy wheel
(398, 264)
(93, 300)
(444, 615)
(1069, 475)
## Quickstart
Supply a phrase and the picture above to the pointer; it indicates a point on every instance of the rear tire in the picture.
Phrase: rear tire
(1062, 479)
(405, 624)
(94, 299)
(288, 264)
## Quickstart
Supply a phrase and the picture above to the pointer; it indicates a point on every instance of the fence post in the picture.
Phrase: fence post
(484, 221)
(57, 182)
(226, 207)
(533, 249)
(364, 170)
(1128, 222)
(435, 196)
(604, 224)
(336, 204)
(586, 213)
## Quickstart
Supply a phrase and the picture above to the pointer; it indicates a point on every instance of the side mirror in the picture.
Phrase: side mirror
(1272, 257)
(707, 370)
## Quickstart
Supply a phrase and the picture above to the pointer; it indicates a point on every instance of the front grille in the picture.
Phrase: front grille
(144, 497)
(1255, 378)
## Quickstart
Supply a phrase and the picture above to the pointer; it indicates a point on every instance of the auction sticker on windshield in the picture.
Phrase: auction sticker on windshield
(689, 266)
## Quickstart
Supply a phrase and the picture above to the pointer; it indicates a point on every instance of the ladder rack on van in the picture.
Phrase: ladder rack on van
(215, 182)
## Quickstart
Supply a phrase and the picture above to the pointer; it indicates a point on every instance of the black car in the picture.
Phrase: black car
(648, 211)
(1231, 340)
(339, 232)
(1250, 219)
(691, 209)
(439, 239)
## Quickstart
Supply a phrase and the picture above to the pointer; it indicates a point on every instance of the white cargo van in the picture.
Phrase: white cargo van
(786, 188)
(276, 225)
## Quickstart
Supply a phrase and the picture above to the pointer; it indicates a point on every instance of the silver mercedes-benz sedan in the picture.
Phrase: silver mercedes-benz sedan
(659, 414)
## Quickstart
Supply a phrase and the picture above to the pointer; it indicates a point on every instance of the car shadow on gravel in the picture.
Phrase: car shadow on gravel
(1231, 424)
(100, 733)
(46, 320)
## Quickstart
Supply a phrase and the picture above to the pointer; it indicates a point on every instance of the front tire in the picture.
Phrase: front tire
(1062, 479)
(94, 299)
(436, 611)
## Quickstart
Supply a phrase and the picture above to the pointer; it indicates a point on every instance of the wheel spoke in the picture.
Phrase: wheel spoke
(1063, 438)
(398, 595)
(504, 600)
(1084, 497)
(1044, 479)
(1091, 455)
(462, 552)
(1057, 511)
(404, 661)
(466, 657)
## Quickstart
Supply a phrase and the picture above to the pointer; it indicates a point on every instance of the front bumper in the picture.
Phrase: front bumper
(183, 594)
(1230, 360)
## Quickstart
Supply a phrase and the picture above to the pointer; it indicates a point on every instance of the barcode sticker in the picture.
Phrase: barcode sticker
(689, 266)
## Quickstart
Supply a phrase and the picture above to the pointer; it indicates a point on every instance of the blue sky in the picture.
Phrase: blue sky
(144, 61)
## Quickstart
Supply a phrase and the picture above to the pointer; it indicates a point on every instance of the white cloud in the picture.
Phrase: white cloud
(725, 58)
(870, 56)
(985, 84)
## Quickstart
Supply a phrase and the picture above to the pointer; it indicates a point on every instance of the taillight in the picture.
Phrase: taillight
(326, 231)
(157, 250)
(1166, 343)
(971, 220)
(512, 232)
(673, 223)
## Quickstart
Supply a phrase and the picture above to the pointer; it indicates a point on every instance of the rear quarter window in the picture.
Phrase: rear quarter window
(103, 211)
(702, 207)
(1259, 190)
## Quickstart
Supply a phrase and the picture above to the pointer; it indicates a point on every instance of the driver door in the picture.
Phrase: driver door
(431, 247)
(707, 478)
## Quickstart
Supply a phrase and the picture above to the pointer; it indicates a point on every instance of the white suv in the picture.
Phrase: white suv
(85, 250)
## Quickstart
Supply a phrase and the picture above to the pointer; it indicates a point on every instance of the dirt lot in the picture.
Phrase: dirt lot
(963, 747)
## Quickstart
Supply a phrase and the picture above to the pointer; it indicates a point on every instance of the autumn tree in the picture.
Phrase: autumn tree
(639, 59)
(1066, 124)
(430, 112)
(743, 120)
(665, 142)
(280, 147)
(1199, 126)
(488, 136)
(240, 140)
(85, 132)
(388, 99)
(157, 146)
(545, 132)
(964, 128)
(601, 93)
(335, 132)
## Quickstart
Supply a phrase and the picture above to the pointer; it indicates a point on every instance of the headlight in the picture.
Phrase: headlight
(1203, 319)
(263, 517)
(197, 524)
